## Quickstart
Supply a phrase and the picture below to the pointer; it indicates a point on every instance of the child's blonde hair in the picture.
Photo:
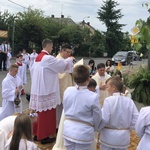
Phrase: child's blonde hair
(117, 82)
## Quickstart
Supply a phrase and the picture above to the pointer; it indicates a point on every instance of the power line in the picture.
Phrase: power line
(17, 4)
(85, 4)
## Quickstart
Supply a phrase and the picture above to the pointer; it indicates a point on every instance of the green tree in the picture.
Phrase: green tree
(97, 44)
(143, 37)
(29, 29)
(110, 17)
(140, 80)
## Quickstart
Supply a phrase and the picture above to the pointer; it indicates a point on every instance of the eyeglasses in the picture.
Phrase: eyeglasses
(68, 52)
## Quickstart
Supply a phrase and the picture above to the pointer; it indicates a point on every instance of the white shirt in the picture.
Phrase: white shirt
(5, 47)
(142, 128)
(23, 145)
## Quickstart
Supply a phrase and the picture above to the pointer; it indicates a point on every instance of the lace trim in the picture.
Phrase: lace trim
(44, 102)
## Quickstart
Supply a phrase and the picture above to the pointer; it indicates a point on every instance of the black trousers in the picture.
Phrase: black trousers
(3, 59)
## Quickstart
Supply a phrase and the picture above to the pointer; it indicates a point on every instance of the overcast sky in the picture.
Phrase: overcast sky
(81, 9)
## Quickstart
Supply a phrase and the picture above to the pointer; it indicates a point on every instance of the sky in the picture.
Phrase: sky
(79, 10)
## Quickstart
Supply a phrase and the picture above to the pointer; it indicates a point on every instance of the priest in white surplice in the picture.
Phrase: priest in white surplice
(45, 94)
(65, 80)
(11, 86)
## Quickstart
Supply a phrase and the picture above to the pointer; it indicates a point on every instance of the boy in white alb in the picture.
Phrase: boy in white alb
(26, 61)
(32, 57)
(59, 145)
(121, 114)
(82, 112)
(11, 86)
(9, 56)
(21, 70)
(142, 128)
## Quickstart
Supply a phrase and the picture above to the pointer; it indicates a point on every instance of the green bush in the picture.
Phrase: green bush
(140, 82)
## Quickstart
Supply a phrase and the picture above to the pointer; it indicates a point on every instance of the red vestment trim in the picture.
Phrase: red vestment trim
(40, 56)
(18, 64)
(45, 125)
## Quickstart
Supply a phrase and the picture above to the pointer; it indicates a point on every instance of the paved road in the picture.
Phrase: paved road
(136, 65)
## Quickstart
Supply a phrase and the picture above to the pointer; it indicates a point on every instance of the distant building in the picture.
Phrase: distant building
(87, 25)
(63, 20)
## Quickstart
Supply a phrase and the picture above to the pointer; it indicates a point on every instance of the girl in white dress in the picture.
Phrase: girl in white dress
(22, 135)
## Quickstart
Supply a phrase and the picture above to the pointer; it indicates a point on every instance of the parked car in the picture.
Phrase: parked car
(135, 56)
(122, 56)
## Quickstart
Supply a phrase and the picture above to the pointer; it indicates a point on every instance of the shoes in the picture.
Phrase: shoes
(28, 97)
(56, 130)
(48, 140)
(35, 138)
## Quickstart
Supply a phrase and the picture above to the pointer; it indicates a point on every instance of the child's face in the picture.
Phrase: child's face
(20, 59)
(92, 88)
(110, 88)
(13, 71)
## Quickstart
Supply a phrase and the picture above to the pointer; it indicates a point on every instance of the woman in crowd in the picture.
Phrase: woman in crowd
(92, 68)
(109, 67)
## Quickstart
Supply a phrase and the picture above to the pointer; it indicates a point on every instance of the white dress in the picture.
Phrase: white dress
(142, 128)
(121, 114)
(9, 85)
(23, 145)
(6, 126)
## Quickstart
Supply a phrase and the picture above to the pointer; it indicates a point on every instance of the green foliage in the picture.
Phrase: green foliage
(71, 34)
(97, 44)
(140, 82)
(110, 17)
(29, 27)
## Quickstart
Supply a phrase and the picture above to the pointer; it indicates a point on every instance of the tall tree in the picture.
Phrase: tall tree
(110, 17)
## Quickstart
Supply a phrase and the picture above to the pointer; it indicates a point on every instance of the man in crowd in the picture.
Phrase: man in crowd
(100, 77)
(65, 79)
(4, 48)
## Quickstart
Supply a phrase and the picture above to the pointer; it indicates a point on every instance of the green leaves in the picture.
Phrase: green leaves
(110, 17)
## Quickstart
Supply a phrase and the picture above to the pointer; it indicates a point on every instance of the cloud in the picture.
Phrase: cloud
(79, 10)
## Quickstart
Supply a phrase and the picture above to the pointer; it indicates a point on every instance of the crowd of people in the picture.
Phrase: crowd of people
(82, 104)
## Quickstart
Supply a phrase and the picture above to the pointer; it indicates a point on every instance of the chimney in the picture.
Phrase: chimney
(52, 16)
(62, 16)
(88, 23)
